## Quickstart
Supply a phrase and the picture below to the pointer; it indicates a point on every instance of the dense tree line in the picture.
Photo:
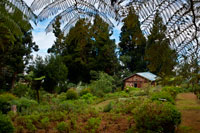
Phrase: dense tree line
(16, 44)
(86, 49)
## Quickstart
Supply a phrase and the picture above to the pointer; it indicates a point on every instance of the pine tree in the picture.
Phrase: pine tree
(77, 52)
(161, 58)
(59, 43)
(88, 47)
(133, 43)
(104, 47)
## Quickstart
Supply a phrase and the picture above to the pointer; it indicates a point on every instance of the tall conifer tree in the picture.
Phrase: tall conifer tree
(133, 43)
(161, 58)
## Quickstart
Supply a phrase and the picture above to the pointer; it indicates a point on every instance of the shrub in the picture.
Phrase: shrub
(5, 102)
(93, 124)
(24, 104)
(62, 127)
(28, 121)
(172, 90)
(20, 89)
(71, 94)
(156, 117)
(89, 98)
(6, 125)
(104, 84)
(85, 91)
(132, 89)
(108, 107)
(162, 96)
(45, 122)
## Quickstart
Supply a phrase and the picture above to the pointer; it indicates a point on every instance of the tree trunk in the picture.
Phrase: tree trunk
(13, 80)
(38, 95)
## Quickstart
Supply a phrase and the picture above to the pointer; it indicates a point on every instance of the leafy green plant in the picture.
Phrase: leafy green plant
(24, 105)
(19, 129)
(30, 126)
(85, 91)
(89, 98)
(156, 117)
(71, 94)
(172, 90)
(20, 89)
(93, 124)
(5, 102)
(104, 84)
(62, 127)
(108, 107)
(162, 96)
(6, 125)
(45, 122)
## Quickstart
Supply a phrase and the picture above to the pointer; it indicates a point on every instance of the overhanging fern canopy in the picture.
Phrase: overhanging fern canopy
(182, 17)
(24, 8)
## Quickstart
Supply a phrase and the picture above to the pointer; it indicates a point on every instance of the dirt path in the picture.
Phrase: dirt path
(189, 106)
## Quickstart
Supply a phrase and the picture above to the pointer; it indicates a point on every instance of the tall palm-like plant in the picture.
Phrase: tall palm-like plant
(71, 11)
(9, 23)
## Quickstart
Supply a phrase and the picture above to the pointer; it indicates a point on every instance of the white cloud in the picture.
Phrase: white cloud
(43, 40)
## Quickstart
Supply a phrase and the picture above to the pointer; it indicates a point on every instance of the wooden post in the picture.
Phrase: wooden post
(14, 108)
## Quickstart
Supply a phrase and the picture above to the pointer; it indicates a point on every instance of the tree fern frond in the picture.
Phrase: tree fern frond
(11, 24)
(24, 8)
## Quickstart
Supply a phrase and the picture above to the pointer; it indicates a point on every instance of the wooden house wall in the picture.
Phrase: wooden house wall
(136, 79)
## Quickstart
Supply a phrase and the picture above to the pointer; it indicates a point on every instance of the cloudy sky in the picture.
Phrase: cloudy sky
(45, 41)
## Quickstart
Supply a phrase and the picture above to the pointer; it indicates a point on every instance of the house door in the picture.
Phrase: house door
(135, 85)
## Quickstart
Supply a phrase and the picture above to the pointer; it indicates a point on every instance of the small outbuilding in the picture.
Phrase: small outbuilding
(140, 80)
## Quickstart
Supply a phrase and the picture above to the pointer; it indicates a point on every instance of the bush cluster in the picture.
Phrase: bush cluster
(6, 125)
(93, 124)
(5, 102)
(162, 96)
(62, 127)
(156, 117)
(172, 90)
(71, 94)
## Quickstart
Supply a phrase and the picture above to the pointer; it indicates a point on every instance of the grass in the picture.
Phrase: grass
(189, 106)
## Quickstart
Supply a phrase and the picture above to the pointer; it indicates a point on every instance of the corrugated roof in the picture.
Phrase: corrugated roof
(147, 75)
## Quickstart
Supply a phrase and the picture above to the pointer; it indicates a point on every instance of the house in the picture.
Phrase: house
(140, 80)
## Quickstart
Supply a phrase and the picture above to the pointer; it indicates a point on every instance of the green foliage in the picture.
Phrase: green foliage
(71, 94)
(23, 90)
(173, 90)
(62, 127)
(157, 117)
(104, 84)
(25, 105)
(55, 73)
(85, 91)
(108, 107)
(93, 124)
(6, 125)
(126, 105)
(89, 47)
(161, 58)
(88, 97)
(16, 44)
(162, 96)
(45, 122)
(128, 89)
(133, 44)
(5, 102)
